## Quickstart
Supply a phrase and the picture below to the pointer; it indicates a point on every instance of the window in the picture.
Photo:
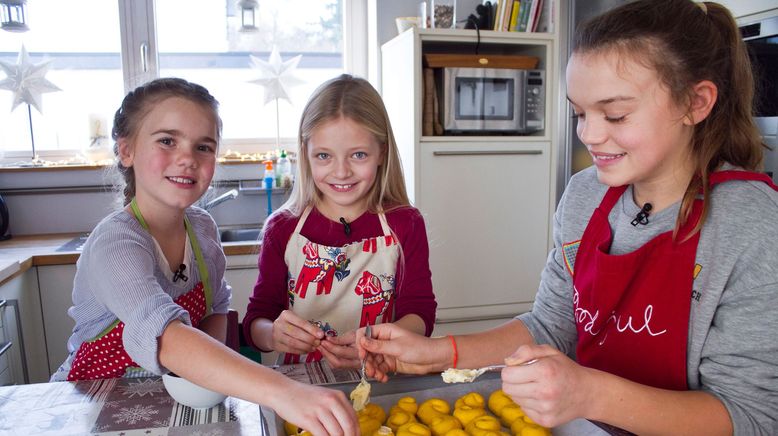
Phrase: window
(100, 49)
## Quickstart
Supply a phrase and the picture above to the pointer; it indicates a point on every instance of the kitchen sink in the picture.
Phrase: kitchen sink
(240, 235)
(75, 244)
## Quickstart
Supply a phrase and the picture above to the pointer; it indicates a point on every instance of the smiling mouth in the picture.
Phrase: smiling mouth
(342, 187)
(608, 156)
(181, 180)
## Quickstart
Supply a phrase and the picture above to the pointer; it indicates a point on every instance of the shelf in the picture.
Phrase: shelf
(487, 36)
(483, 138)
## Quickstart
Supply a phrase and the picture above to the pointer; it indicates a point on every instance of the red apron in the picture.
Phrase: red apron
(632, 310)
(105, 356)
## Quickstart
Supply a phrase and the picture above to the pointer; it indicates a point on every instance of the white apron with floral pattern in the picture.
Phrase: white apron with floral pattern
(340, 288)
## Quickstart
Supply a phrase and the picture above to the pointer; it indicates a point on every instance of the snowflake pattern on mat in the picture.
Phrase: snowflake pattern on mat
(211, 432)
(134, 414)
(142, 387)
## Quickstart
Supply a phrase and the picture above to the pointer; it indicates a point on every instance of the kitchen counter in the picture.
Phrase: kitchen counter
(20, 253)
(142, 406)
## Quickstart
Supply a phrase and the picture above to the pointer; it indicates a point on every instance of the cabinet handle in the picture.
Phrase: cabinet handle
(144, 57)
(4, 347)
(2, 304)
(484, 152)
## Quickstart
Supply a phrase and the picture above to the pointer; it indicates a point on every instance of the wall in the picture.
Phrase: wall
(381, 26)
(73, 201)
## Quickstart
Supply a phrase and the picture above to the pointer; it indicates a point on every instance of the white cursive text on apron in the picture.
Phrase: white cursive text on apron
(589, 319)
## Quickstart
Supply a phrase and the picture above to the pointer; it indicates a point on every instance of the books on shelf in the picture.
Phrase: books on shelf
(523, 15)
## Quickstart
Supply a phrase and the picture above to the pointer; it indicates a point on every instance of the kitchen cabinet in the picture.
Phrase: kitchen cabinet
(56, 290)
(748, 9)
(487, 201)
(24, 360)
(242, 274)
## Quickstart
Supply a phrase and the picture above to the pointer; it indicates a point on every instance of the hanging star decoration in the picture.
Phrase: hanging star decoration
(276, 76)
(26, 80)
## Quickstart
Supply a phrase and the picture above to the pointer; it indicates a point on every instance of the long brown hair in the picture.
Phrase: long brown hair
(354, 98)
(138, 103)
(687, 42)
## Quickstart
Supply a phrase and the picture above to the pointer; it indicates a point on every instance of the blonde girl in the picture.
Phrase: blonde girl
(347, 249)
(149, 295)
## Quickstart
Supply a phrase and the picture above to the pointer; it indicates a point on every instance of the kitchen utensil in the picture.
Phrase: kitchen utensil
(360, 396)
(453, 375)
(369, 334)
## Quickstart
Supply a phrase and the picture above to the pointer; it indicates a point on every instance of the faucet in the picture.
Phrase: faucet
(229, 195)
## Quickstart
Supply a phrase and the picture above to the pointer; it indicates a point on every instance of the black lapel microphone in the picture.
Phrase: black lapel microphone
(179, 274)
(346, 226)
(642, 216)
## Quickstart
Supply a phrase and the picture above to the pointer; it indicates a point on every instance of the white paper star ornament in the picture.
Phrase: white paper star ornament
(26, 80)
(276, 76)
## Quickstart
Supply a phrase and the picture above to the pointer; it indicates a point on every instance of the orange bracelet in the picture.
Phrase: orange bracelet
(456, 355)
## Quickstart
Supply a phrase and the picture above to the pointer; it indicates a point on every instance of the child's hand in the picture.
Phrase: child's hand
(317, 410)
(341, 351)
(292, 334)
(552, 390)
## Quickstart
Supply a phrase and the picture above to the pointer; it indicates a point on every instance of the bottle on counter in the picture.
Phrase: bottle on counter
(270, 179)
(283, 171)
(270, 175)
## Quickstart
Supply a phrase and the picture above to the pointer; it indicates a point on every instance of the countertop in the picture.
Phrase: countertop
(20, 253)
(142, 406)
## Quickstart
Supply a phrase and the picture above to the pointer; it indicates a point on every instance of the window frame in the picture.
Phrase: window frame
(140, 64)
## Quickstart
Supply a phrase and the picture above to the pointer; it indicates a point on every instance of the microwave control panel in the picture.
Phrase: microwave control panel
(535, 99)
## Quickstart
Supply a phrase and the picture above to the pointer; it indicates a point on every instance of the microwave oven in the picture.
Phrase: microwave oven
(493, 100)
(761, 38)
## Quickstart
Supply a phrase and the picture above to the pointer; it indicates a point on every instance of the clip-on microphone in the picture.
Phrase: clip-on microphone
(179, 273)
(346, 226)
(642, 216)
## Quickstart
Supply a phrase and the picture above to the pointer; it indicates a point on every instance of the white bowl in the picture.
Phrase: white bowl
(190, 394)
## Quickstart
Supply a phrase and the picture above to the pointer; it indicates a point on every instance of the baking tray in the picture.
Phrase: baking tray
(426, 387)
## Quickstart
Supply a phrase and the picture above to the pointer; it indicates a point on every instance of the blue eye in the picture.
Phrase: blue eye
(360, 155)
(166, 141)
(322, 156)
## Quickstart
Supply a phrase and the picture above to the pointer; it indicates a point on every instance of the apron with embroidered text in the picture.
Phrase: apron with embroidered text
(104, 356)
(632, 310)
(340, 288)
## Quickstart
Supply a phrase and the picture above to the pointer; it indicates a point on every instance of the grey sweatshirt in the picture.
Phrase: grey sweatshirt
(119, 276)
(732, 351)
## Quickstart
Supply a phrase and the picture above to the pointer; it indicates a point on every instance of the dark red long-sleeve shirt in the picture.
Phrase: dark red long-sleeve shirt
(414, 285)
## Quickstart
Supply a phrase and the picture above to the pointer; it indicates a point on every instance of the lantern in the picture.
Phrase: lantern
(13, 15)
(248, 10)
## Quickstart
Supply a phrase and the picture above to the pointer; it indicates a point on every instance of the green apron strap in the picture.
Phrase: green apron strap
(197, 252)
(138, 215)
(200, 266)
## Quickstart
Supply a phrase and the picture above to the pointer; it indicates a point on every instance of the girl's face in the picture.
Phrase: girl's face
(627, 119)
(173, 154)
(344, 159)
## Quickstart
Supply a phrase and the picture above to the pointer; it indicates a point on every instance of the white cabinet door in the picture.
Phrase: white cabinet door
(23, 326)
(242, 281)
(241, 274)
(486, 206)
(56, 288)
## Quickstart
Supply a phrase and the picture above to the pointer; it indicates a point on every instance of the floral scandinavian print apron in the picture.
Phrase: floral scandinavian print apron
(105, 357)
(340, 288)
(632, 310)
